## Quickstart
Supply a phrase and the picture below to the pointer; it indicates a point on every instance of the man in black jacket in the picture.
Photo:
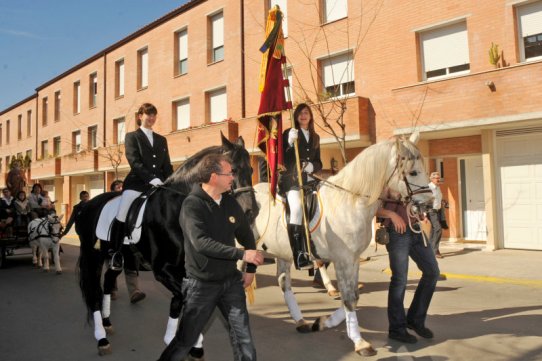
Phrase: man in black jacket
(211, 221)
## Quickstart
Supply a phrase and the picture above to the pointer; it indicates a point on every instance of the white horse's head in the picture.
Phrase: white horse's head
(408, 175)
(55, 227)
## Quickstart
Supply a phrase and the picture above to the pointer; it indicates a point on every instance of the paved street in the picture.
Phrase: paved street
(488, 308)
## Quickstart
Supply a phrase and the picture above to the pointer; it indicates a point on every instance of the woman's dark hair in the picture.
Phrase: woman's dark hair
(36, 186)
(145, 108)
(114, 185)
(211, 164)
(297, 111)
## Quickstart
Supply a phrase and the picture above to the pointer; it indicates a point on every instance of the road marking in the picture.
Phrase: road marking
(488, 279)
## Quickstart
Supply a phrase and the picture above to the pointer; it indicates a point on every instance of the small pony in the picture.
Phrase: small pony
(45, 233)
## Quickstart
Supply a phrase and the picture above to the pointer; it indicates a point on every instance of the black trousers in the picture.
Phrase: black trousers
(200, 300)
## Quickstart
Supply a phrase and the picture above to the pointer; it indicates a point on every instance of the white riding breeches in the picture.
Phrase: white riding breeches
(127, 197)
(294, 201)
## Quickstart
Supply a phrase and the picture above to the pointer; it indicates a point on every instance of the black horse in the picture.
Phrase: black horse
(161, 243)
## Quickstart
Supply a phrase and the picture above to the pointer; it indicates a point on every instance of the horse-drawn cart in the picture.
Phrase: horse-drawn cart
(15, 238)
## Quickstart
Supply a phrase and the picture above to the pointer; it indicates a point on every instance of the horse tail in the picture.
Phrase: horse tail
(91, 261)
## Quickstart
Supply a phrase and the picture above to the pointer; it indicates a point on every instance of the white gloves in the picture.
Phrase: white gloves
(308, 167)
(292, 136)
(156, 182)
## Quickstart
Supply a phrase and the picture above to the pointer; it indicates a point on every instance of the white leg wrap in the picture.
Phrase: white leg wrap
(99, 330)
(293, 307)
(352, 327)
(106, 306)
(335, 319)
(171, 329)
(199, 342)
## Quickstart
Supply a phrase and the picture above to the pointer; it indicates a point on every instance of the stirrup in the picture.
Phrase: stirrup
(306, 256)
(117, 262)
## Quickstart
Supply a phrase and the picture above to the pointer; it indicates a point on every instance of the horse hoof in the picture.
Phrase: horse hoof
(334, 293)
(318, 325)
(303, 327)
(104, 347)
(108, 326)
(365, 349)
(58, 272)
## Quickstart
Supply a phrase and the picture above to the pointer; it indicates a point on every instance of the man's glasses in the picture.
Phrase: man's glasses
(230, 174)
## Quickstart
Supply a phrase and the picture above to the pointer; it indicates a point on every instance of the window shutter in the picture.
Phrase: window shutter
(183, 45)
(531, 19)
(335, 9)
(144, 68)
(218, 30)
(338, 70)
(183, 114)
(218, 103)
(121, 78)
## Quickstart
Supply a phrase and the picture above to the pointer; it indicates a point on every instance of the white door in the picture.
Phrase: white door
(474, 208)
(520, 169)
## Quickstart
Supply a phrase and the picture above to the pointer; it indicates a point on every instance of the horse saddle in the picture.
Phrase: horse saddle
(133, 223)
(312, 207)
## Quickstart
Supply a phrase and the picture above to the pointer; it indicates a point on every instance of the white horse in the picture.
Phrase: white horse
(348, 201)
(45, 233)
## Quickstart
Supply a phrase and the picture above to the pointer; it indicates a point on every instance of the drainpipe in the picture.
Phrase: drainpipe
(106, 187)
(243, 101)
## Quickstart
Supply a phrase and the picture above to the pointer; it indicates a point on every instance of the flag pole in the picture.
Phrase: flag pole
(297, 162)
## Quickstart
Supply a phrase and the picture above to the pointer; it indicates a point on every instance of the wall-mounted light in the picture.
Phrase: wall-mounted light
(491, 85)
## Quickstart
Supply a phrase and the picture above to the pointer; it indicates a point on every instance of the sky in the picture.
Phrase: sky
(41, 39)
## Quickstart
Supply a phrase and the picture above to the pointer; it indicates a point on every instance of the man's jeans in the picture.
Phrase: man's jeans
(436, 230)
(201, 298)
(402, 246)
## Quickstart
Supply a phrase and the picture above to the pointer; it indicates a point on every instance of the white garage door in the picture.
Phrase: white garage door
(519, 160)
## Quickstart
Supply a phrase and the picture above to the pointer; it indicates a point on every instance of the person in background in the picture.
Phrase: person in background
(404, 243)
(309, 155)
(34, 198)
(212, 220)
(434, 214)
(7, 213)
(22, 209)
(84, 197)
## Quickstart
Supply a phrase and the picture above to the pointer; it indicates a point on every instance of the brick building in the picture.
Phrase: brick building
(392, 66)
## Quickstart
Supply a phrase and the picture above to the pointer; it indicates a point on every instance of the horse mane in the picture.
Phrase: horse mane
(187, 174)
(366, 175)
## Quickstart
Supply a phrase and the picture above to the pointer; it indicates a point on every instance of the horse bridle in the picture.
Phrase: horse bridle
(50, 233)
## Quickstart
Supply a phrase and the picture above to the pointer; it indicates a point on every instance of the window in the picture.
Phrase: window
(142, 68)
(530, 31)
(338, 75)
(44, 149)
(76, 141)
(119, 78)
(29, 123)
(181, 52)
(93, 137)
(77, 97)
(334, 10)
(29, 154)
(120, 130)
(218, 105)
(56, 146)
(57, 106)
(93, 90)
(19, 127)
(283, 5)
(182, 113)
(44, 109)
(217, 37)
(445, 51)
(8, 130)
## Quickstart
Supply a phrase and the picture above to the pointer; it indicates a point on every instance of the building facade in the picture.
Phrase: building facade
(465, 74)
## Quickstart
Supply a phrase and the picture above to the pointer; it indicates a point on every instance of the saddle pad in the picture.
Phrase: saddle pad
(109, 212)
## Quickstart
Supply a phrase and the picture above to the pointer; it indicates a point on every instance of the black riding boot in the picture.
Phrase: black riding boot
(302, 260)
(116, 239)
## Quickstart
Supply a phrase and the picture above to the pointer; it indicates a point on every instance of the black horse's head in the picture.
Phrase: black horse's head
(242, 187)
